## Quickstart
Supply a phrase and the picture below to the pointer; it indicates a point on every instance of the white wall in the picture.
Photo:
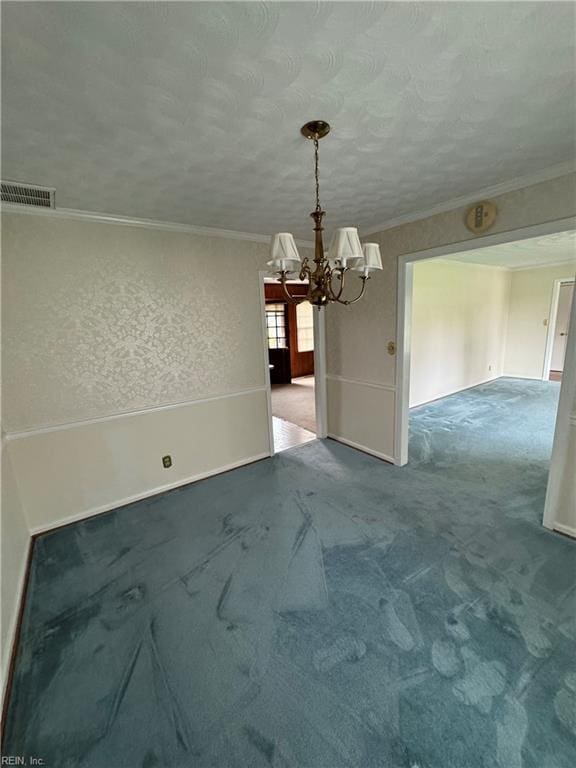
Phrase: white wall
(352, 406)
(14, 551)
(70, 472)
(458, 329)
(530, 302)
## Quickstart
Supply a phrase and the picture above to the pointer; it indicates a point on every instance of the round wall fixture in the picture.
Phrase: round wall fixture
(481, 216)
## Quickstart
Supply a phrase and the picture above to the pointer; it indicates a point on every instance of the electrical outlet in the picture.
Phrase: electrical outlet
(489, 367)
(166, 462)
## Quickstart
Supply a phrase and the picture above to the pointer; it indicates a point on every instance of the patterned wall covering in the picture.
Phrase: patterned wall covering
(100, 319)
(356, 340)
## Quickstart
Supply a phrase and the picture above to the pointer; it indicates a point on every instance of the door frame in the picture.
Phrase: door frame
(552, 318)
(404, 317)
(319, 366)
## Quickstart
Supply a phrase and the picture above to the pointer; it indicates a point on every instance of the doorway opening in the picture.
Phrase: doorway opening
(478, 326)
(293, 347)
(557, 338)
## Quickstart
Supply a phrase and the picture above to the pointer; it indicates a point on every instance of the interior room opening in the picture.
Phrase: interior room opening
(489, 332)
(290, 345)
(557, 341)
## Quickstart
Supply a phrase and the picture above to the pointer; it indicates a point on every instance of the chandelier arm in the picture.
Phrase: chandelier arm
(304, 270)
(341, 276)
(289, 298)
(364, 278)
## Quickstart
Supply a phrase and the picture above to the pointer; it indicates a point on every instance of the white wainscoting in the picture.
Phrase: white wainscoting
(361, 414)
(72, 471)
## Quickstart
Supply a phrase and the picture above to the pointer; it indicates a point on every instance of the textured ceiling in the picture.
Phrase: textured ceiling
(538, 251)
(190, 112)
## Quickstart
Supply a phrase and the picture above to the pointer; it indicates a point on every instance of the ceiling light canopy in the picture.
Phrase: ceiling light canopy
(326, 275)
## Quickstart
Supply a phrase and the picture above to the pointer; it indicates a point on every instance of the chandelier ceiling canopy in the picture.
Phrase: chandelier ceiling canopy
(326, 275)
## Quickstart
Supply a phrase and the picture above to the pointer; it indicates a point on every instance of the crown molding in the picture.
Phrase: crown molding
(506, 267)
(513, 185)
(127, 221)
(456, 260)
(544, 264)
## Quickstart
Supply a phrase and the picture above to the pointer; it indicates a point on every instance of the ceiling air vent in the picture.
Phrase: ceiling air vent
(27, 194)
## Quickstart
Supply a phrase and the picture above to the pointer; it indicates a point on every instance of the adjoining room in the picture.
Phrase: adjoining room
(487, 328)
(290, 340)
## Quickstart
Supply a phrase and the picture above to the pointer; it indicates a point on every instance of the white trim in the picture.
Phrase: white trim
(499, 238)
(320, 376)
(568, 530)
(129, 221)
(552, 319)
(545, 264)
(110, 506)
(362, 448)
(548, 174)
(462, 263)
(10, 648)
(506, 268)
(8, 436)
(320, 396)
(374, 384)
(559, 472)
(403, 352)
(266, 361)
(404, 312)
(520, 182)
(457, 390)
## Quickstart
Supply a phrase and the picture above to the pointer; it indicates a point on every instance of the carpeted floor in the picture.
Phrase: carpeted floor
(295, 402)
(321, 609)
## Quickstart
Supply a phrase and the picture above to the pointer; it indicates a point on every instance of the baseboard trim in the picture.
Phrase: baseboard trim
(359, 447)
(567, 530)
(14, 634)
(108, 507)
(373, 384)
(456, 391)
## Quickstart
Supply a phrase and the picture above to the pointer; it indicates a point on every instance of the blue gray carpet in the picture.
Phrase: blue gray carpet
(321, 609)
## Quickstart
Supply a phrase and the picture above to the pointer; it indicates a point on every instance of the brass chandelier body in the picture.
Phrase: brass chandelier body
(326, 276)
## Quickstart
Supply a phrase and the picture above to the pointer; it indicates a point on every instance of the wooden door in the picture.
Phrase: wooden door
(300, 335)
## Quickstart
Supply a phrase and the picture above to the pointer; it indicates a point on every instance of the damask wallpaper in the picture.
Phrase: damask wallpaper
(100, 319)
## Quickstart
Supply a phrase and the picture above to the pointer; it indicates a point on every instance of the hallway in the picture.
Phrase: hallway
(295, 402)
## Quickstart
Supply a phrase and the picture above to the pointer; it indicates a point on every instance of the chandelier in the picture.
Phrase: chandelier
(326, 276)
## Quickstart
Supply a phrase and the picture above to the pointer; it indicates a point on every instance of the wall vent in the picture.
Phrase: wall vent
(27, 194)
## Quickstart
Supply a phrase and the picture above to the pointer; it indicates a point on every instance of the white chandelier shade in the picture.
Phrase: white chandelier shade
(284, 253)
(371, 261)
(345, 248)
